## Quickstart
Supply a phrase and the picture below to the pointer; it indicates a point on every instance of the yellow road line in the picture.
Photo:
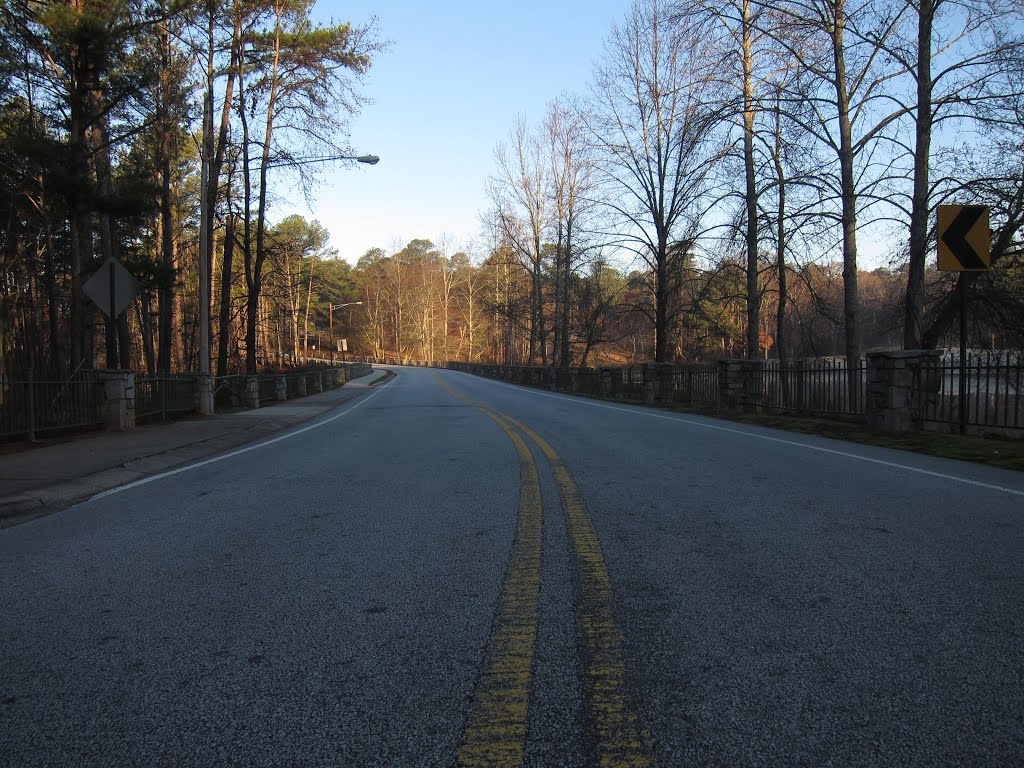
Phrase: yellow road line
(495, 733)
(616, 737)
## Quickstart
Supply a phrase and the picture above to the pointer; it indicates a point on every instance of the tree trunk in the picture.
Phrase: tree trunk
(661, 298)
(914, 307)
(146, 325)
(53, 301)
(753, 292)
(224, 321)
(851, 295)
(167, 255)
(104, 188)
(780, 312)
(261, 210)
(566, 351)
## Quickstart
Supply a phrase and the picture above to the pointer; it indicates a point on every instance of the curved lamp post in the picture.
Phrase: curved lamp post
(367, 159)
(331, 320)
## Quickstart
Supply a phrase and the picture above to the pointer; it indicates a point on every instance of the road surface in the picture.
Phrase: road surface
(455, 571)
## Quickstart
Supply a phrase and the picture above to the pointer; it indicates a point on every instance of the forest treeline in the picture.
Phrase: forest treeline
(713, 194)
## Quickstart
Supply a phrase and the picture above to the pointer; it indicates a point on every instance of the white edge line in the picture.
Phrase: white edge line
(255, 446)
(682, 419)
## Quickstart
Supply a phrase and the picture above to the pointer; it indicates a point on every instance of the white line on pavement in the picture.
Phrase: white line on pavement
(682, 419)
(240, 451)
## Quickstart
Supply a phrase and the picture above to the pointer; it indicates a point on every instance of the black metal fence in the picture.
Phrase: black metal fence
(229, 391)
(31, 407)
(161, 396)
(824, 387)
(814, 387)
(268, 388)
(695, 384)
(994, 400)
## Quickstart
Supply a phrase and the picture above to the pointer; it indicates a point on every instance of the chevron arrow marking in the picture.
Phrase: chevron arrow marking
(955, 238)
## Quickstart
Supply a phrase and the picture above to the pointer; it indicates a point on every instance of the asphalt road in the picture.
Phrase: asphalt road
(453, 570)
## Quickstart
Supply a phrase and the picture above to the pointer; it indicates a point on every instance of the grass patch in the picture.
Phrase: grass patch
(994, 451)
(1000, 452)
(388, 375)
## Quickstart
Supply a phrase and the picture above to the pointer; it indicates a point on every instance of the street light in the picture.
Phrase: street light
(287, 160)
(331, 320)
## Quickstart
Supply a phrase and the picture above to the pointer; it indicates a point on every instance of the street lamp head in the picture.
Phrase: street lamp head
(369, 160)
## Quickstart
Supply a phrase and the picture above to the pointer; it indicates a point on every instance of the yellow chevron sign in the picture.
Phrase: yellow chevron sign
(963, 238)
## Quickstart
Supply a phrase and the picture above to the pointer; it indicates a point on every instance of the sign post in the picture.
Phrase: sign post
(112, 288)
(963, 247)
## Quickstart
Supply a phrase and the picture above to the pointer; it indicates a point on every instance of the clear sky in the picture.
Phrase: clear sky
(446, 92)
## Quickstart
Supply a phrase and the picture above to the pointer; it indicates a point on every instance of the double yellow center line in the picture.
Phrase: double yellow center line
(496, 729)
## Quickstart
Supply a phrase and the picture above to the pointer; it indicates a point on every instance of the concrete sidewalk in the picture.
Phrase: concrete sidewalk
(52, 476)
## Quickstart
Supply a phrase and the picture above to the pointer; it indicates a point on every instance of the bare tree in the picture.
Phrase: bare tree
(843, 102)
(960, 56)
(520, 196)
(572, 182)
(653, 120)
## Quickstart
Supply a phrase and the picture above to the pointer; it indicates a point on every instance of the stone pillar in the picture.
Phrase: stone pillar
(650, 382)
(281, 387)
(730, 386)
(666, 386)
(300, 385)
(204, 394)
(740, 386)
(318, 382)
(658, 385)
(252, 391)
(118, 399)
(900, 385)
(611, 382)
(753, 385)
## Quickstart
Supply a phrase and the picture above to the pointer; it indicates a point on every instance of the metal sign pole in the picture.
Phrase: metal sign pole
(962, 285)
(963, 246)
(112, 325)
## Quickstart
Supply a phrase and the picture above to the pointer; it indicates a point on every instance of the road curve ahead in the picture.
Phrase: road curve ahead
(454, 571)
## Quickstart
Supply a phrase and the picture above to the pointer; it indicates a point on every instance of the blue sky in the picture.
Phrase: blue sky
(446, 92)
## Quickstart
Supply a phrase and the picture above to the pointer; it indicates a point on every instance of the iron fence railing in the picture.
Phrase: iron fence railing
(994, 384)
(29, 407)
(816, 387)
(695, 384)
(229, 391)
(160, 396)
(268, 388)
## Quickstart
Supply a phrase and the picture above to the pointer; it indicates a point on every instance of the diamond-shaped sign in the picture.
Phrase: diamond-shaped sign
(111, 279)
